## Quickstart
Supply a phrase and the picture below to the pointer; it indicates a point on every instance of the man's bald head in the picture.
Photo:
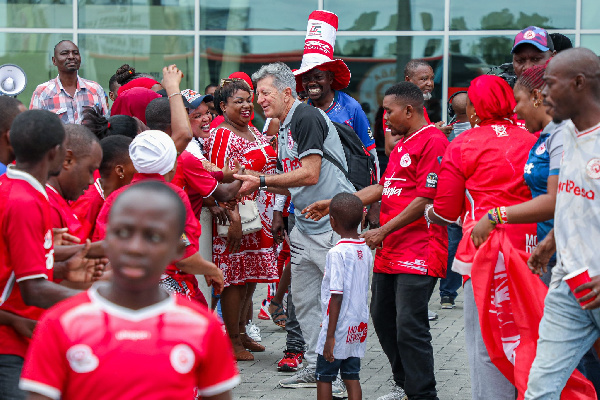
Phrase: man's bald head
(572, 81)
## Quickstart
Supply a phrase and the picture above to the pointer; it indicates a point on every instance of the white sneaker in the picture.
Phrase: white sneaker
(253, 332)
(305, 378)
(397, 393)
(431, 315)
(338, 388)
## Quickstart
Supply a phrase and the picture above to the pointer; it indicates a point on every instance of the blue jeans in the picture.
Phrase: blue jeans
(450, 284)
(566, 333)
(10, 372)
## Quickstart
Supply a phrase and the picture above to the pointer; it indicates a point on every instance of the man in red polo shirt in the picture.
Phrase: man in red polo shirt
(411, 254)
(27, 265)
(83, 157)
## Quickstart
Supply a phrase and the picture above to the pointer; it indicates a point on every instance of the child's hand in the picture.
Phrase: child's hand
(328, 349)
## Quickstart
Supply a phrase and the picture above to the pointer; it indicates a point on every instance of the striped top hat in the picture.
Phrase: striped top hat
(318, 50)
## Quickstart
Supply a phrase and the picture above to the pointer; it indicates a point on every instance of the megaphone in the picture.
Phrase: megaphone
(12, 80)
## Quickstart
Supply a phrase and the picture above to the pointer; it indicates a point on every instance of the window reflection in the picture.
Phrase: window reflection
(255, 14)
(511, 14)
(136, 14)
(590, 14)
(592, 42)
(36, 13)
(385, 15)
(103, 54)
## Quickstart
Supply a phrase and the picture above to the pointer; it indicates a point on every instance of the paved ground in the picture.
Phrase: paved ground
(260, 377)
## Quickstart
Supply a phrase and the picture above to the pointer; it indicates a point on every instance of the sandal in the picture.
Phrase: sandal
(243, 355)
(278, 314)
(250, 344)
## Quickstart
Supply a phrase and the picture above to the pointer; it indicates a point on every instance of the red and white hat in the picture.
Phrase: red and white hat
(318, 50)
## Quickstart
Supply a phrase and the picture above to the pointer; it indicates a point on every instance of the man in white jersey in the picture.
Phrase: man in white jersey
(567, 329)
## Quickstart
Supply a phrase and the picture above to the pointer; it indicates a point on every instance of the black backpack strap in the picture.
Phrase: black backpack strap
(336, 163)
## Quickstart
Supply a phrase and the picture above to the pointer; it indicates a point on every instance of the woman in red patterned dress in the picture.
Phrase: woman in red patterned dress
(244, 259)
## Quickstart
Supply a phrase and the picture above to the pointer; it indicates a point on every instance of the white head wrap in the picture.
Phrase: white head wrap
(153, 152)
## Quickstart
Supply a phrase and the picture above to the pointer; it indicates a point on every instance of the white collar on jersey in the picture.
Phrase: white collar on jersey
(14, 173)
(127, 313)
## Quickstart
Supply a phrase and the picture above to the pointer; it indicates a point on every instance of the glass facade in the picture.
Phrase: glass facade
(208, 40)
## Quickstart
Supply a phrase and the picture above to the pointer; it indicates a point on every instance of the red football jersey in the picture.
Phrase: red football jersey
(88, 206)
(62, 215)
(184, 281)
(482, 169)
(412, 172)
(89, 348)
(26, 249)
(197, 181)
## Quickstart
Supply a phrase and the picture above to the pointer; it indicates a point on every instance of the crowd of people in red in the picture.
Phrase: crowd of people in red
(108, 215)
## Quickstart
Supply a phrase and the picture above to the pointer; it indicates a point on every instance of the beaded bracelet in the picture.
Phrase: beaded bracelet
(498, 215)
(427, 208)
(493, 216)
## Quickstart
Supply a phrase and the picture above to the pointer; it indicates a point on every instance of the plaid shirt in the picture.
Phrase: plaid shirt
(52, 96)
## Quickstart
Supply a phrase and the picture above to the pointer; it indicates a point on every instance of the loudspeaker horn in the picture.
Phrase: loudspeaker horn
(12, 80)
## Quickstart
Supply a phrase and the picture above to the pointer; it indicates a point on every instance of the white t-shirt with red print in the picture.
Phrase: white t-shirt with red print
(347, 273)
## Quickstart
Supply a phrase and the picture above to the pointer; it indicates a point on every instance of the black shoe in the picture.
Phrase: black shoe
(447, 302)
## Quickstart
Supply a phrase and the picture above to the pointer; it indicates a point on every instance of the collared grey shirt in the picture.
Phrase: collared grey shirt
(307, 130)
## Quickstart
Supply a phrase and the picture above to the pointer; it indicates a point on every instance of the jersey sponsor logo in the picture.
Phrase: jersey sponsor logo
(528, 168)
(500, 130)
(48, 238)
(530, 242)
(290, 165)
(405, 160)
(132, 335)
(593, 168)
(570, 187)
(390, 191)
(541, 149)
(182, 358)
(82, 359)
(357, 333)
(431, 180)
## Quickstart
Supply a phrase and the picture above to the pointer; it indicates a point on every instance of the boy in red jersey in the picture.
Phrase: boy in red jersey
(83, 157)
(129, 332)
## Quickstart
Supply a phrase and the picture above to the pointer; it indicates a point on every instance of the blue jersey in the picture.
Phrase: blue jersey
(539, 167)
(346, 110)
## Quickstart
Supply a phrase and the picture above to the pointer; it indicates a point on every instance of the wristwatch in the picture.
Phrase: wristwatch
(263, 184)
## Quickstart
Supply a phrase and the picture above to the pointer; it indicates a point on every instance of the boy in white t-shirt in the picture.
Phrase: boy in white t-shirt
(344, 301)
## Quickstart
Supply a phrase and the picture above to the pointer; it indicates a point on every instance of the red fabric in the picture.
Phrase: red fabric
(133, 102)
(187, 282)
(26, 252)
(160, 352)
(412, 172)
(147, 83)
(510, 302)
(325, 16)
(197, 181)
(256, 260)
(492, 98)
(88, 206)
(243, 76)
(62, 215)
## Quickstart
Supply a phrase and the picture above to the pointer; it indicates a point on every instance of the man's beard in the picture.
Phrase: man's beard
(427, 96)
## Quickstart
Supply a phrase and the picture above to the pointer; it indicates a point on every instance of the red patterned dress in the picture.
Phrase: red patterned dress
(256, 260)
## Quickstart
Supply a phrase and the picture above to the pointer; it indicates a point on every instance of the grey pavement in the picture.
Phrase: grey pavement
(260, 377)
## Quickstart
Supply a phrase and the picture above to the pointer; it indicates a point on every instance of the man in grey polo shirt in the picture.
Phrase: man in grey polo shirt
(305, 134)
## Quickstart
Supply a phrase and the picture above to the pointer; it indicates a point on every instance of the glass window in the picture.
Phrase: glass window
(590, 14)
(511, 14)
(103, 54)
(36, 13)
(136, 14)
(385, 15)
(33, 53)
(241, 15)
(592, 42)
